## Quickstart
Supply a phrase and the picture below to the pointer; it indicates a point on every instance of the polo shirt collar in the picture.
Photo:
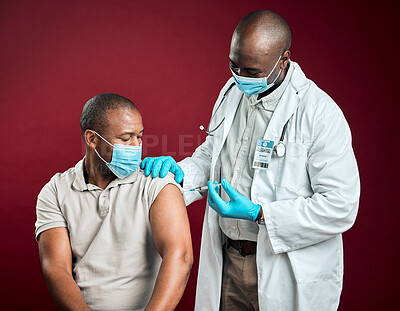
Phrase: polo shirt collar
(79, 181)
(80, 184)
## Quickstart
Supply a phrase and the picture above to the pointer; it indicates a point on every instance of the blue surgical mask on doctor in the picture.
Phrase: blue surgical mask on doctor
(253, 86)
(125, 158)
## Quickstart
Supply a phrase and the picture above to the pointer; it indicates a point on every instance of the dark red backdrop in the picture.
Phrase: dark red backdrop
(171, 59)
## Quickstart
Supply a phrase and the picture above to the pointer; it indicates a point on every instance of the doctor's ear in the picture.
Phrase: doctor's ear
(91, 139)
(285, 58)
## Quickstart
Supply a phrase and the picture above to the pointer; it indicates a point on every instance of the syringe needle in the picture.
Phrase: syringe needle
(203, 188)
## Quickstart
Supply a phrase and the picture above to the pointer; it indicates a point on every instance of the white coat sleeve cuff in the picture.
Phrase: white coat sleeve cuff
(277, 245)
(189, 182)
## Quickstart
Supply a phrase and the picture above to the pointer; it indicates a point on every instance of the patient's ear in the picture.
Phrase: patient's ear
(91, 139)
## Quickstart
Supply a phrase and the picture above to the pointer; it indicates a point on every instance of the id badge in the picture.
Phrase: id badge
(263, 153)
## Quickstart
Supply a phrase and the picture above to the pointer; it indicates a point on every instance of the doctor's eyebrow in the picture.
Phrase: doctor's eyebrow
(132, 133)
(247, 69)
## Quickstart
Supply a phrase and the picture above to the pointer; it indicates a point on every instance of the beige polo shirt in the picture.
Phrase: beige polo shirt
(115, 261)
(249, 124)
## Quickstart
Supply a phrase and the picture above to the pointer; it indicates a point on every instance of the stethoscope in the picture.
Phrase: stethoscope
(208, 131)
(279, 150)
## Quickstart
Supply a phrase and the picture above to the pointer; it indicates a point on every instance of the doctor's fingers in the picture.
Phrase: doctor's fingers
(147, 165)
(143, 163)
(179, 174)
(230, 191)
(214, 195)
(166, 167)
(215, 186)
(212, 204)
(158, 162)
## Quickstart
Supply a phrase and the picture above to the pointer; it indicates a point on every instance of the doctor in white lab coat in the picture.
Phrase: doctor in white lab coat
(306, 198)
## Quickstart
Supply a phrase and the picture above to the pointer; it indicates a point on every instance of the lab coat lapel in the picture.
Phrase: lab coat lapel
(230, 108)
(229, 111)
(285, 109)
(288, 104)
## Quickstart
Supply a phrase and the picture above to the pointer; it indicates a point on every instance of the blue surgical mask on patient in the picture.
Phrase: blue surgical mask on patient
(125, 158)
(253, 86)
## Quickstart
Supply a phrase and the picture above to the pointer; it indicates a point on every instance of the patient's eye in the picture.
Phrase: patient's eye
(125, 138)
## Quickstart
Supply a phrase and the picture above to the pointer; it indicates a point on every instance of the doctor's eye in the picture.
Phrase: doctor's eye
(253, 72)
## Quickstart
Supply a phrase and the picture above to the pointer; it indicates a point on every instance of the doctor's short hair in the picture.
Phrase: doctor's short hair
(274, 27)
(94, 113)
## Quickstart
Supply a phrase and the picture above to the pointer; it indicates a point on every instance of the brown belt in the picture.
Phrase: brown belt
(244, 247)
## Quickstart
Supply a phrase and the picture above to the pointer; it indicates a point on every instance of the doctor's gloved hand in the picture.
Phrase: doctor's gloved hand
(160, 166)
(238, 207)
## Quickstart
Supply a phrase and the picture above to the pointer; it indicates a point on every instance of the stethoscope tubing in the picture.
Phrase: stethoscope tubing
(209, 132)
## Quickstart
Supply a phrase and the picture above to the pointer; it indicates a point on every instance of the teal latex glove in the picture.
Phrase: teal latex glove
(160, 166)
(238, 207)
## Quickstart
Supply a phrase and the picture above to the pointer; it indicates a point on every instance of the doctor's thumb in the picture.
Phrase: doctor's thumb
(230, 191)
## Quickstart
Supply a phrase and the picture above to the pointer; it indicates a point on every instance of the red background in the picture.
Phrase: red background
(171, 59)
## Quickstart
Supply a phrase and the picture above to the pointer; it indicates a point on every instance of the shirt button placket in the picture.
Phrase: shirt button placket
(103, 204)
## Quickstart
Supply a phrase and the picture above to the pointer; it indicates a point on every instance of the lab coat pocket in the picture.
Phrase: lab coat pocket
(319, 262)
(292, 170)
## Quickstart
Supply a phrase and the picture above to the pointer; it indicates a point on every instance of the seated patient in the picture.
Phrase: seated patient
(109, 237)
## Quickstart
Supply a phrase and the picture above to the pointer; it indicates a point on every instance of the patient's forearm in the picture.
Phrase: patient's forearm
(171, 281)
(64, 290)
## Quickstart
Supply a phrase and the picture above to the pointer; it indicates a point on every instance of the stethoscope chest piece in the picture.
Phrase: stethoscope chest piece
(280, 150)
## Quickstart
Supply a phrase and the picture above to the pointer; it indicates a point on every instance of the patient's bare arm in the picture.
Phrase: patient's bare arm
(56, 260)
(171, 231)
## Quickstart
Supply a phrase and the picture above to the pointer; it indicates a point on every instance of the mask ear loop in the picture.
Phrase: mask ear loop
(280, 70)
(103, 138)
(106, 142)
(100, 156)
(274, 67)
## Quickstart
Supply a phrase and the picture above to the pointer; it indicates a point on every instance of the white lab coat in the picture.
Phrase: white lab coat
(309, 197)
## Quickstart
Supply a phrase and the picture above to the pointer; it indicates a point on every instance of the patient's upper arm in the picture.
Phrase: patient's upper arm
(170, 223)
(48, 211)
(55, 250)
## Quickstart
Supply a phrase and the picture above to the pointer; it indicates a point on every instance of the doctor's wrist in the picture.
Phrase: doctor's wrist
(260, 217)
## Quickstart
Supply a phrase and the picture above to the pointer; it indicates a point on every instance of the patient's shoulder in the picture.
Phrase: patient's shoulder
(153, 186)
(62, 181)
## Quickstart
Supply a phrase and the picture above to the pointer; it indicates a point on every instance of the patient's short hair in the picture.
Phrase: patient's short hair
(94, 113)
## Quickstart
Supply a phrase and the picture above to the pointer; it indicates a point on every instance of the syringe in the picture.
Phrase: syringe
(204, 188)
